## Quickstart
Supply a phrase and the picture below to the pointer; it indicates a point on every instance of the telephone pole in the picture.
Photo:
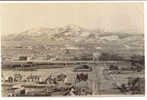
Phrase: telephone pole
(97, 77)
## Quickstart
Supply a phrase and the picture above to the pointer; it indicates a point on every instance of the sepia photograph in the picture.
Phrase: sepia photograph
(72, 49)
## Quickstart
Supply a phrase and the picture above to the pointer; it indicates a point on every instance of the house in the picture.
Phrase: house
(17, 77)
(50, 81)
(10, 79)
(33, 78)
(23, 58)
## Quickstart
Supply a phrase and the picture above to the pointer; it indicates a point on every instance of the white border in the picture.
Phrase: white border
(85, 98)
(113, 1)
(145, 37)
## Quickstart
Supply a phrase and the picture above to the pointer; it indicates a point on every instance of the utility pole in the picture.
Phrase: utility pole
(67, 55)
(97, 77)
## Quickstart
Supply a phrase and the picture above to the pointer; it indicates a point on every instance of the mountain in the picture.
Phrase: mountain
(44, 41)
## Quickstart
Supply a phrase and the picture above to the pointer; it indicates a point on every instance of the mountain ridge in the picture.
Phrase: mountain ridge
(72, 36)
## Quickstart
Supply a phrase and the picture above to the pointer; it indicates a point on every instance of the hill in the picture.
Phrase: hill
(52, 41)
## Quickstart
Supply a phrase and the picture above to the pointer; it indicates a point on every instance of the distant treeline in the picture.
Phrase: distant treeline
(134, 58)
(110, 57)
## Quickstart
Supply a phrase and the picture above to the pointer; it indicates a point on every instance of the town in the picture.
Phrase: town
(97, 74)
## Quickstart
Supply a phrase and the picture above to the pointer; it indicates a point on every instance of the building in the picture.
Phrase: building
(18, 77)
(23, 58)
(10, 79)
(33, 78)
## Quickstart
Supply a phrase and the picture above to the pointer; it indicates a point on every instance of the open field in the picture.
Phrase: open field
(101, 83)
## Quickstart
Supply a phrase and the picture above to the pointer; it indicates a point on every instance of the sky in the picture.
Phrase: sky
(109, 17)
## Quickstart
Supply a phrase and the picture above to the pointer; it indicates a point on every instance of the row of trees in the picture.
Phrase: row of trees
(137, 61)
(134, 58)
(107, 56)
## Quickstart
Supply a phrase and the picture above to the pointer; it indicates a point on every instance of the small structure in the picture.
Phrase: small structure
(83, 68)
(82, 77)
(61, 77)
(10, 79)
(82, 88)
(51, 81)
(33, 78)
(23, 58)
(17, 77)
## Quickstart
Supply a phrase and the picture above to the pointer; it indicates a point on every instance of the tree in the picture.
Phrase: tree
(107, 56)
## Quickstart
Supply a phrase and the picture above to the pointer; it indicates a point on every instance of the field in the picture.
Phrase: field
(101, 83)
